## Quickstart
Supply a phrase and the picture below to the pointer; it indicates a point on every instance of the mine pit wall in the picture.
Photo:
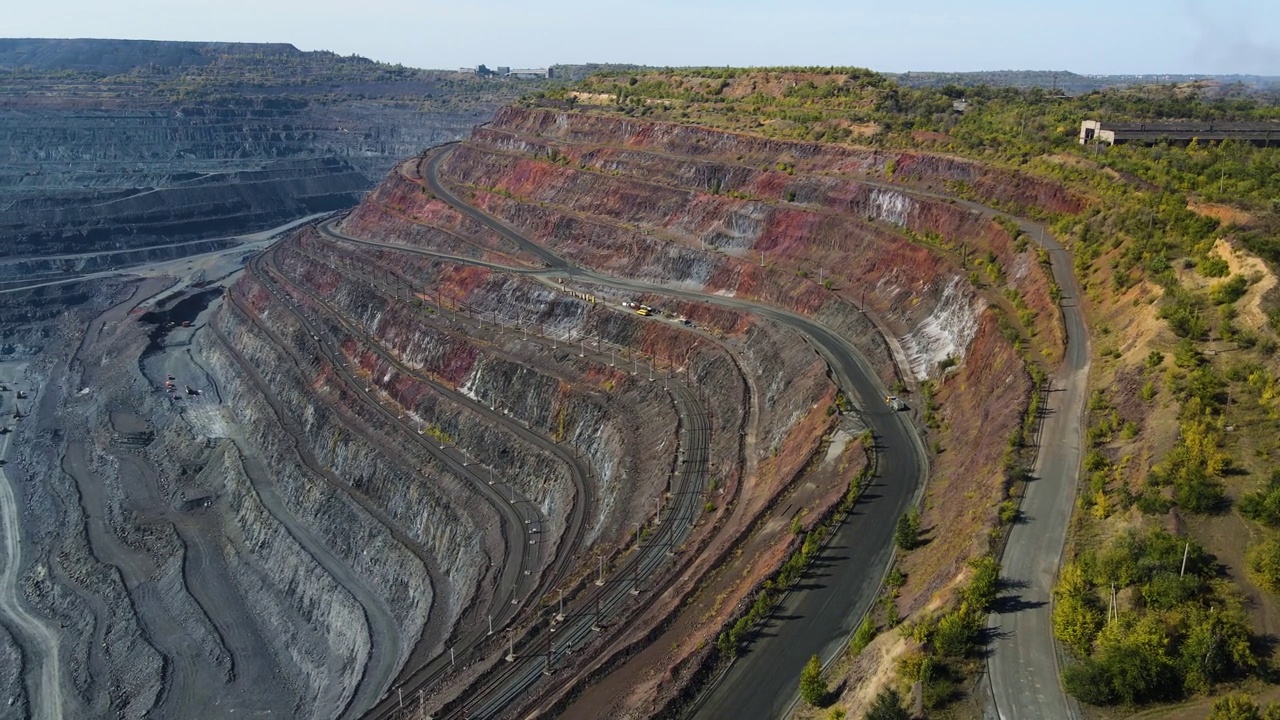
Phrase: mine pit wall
(317, 631)
(224, 205)
(791, 380)
(57, 268)
(538, 475)
(309, 625)
(617, 208)
(63, 580)
(401, 210)
(11, 668)
(563, 404)
(981, 403)
(1004, 187)
(415, 593)
(833, 235)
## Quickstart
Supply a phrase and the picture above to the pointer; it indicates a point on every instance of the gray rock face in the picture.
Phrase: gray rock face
(114, 144)
(79, 182)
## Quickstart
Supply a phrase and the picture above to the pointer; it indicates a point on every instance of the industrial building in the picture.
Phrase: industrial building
(1178, 132)
(505, 71)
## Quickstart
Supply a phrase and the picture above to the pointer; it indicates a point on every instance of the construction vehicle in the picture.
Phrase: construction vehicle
(642, 310)
(895, 403)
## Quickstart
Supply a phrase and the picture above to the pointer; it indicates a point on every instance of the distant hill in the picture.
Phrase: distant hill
(270, 132)
(1069, 82)
(114, 57)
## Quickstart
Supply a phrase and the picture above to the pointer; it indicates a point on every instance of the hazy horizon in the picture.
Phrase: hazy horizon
(1192, 37)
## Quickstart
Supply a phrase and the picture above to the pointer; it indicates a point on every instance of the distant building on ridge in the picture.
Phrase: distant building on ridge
(1178, 132)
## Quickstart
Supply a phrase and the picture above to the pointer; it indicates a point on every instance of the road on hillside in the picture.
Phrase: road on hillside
(1023, 664)
(41, 640)
(820, 613)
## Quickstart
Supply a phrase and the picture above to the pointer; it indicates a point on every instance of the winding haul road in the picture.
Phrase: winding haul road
(46, 697)
(843, 581)
(1023, 666)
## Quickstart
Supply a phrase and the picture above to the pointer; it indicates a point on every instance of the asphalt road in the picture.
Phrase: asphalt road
(1023, 665)
(39, 638)
(820, 613)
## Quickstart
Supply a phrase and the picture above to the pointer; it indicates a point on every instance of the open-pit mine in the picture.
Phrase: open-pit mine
(523, 434)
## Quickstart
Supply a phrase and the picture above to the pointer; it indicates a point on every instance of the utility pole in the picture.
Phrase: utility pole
(600, 580)
(1185, 551)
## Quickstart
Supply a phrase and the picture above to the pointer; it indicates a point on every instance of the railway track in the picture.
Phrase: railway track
(602, 606)
(609, 602)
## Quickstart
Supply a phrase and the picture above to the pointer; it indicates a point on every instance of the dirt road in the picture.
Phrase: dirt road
(37, 636)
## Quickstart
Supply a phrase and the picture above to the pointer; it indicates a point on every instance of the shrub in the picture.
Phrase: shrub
(1263, 561)
(1264, 505)
(1077, 616)
(1213, 266)
(956, 632)
(1234, 707)
(887, 706)
(980, 593)
(1229, 291)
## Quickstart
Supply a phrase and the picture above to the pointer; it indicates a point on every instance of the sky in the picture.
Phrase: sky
(1085, 36)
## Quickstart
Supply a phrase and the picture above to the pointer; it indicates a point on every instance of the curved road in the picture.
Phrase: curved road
(519, 583)
(843, 583)
(1023, 665)
(611, 601)
(45, 696)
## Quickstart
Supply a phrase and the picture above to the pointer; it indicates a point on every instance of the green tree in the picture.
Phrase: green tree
(956, 632)
(863, 636)
(813, 688)
(907, 534)
(1077, 617)
(1216, 646)
(887, 706)
(980, 593)
(1076, 622)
